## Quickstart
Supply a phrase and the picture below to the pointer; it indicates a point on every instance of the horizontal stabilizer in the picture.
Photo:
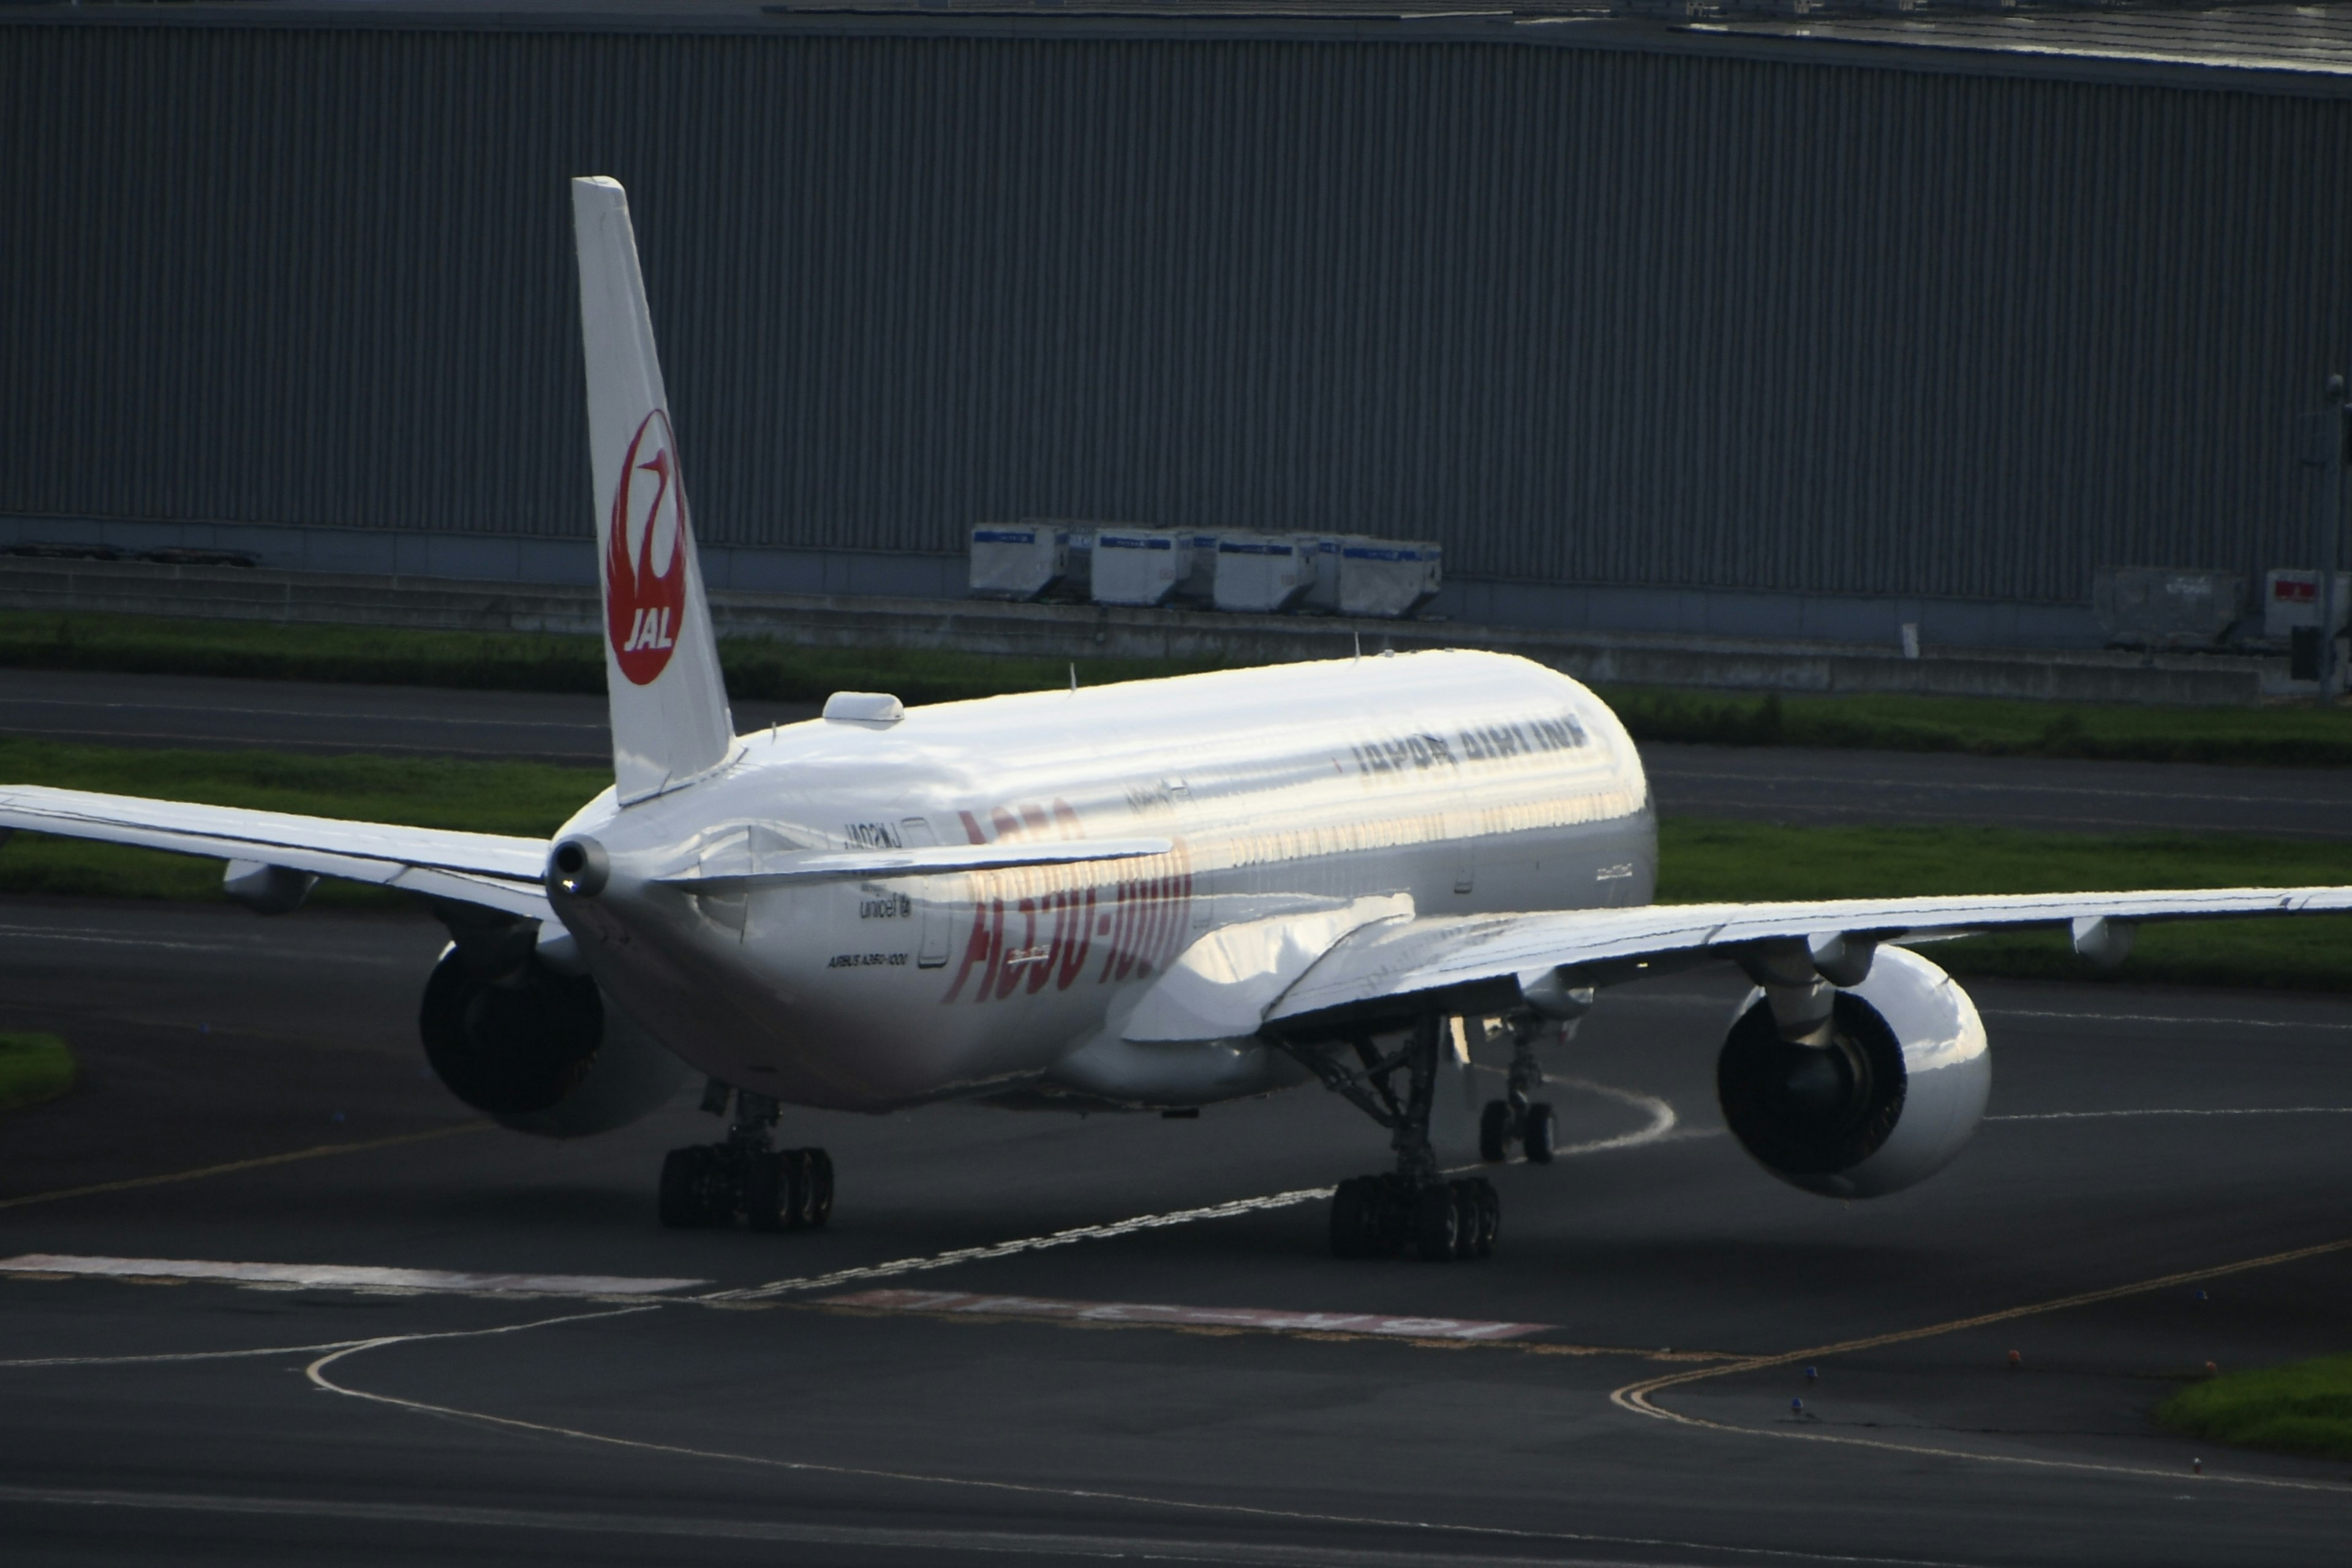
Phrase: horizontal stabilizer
(471, 867)
(822, 865)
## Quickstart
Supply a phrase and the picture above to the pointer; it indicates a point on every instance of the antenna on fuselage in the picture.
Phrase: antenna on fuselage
(1074, 675)
(1360, 647)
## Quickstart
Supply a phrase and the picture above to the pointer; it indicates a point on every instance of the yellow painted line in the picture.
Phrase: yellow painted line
(1637, 1397)
(317, 1151)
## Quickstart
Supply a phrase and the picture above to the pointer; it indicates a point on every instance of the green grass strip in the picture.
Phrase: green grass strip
(2280, 736)
(2303, 1407)
(32, 1067)
(765, 670)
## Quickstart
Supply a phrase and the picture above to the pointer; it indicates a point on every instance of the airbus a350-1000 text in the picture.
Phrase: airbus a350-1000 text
(1152, 895)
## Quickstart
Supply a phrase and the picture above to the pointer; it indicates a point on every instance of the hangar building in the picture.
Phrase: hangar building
(1792, 321)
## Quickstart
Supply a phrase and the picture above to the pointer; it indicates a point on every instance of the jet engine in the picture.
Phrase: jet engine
(1885, 1098)
(540, 1049)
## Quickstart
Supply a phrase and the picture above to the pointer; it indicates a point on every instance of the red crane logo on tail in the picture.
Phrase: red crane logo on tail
(645, 603)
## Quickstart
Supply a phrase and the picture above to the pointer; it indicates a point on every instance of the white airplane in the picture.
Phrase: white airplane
(1152, 895)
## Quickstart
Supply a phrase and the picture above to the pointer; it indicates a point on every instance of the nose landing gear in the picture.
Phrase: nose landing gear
(769, 1189)
(1414, 1207)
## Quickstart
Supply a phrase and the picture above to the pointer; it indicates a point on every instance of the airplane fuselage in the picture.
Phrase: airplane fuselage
(1463, 782)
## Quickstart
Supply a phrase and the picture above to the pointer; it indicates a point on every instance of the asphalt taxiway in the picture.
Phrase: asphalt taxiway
(2159, 1185)
(1762, 782)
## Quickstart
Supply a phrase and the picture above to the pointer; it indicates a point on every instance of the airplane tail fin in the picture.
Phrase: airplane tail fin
(670, 719)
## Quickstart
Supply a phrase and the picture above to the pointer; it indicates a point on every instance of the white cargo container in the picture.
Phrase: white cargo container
(2291, 600)
(1388, 577)
(1356, 575)
(1262, 574)
(1021, 560)
(1323, 594)
(1200, 584)
(2166, 607)
(1139, 565)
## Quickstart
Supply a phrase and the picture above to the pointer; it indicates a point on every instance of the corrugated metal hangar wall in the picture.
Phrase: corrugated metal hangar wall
(1597, 316)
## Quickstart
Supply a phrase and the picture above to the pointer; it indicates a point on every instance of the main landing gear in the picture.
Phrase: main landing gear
(770, 1189)
(1515, 1119)
(1414, 1207)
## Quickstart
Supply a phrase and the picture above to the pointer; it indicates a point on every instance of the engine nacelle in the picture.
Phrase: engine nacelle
(1890, 1100)
(542, 1051)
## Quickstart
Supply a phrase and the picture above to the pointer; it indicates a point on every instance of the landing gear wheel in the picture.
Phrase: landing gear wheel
(820, 1188)
(795, 1163)
(1539, 1134)
(770, 1190)
(1356, 1219)
(1494, 1133)
(682, 1181)
(1467, 1214)
(1437, 1225)
(1481, 1213)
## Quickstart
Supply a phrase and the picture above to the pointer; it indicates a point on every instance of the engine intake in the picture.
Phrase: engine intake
(539, 1051)
(1890, 1098)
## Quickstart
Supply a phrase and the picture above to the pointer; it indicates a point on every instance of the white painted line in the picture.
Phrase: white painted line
(2103, 1115)
(1025, 1244)
(1054, 1308)
(339, 1276)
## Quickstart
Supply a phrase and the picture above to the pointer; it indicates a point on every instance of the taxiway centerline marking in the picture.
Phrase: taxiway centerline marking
(343, 1277)
(1054, 1308)
(317, 1151)
(1011, 1249)
(1636, 1396)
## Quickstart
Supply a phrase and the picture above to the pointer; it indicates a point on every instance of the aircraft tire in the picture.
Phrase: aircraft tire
(1488, 1213)
(682, 1181)
(1541, 1134)
(1356, 1219)
(800, 1184)
(820, 1187)
(1437, 1225)
(1469, 1218)
(768, 1191)
(1494, 1133)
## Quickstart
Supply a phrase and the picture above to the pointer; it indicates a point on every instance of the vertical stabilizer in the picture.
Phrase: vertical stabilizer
(670, 723)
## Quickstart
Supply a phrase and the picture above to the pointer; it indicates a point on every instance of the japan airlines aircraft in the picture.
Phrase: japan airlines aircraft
(1153, 896)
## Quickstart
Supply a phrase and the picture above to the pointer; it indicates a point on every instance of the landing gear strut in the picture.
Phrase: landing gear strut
(1414, 1207)
(770, 1189)
(1517, 1118)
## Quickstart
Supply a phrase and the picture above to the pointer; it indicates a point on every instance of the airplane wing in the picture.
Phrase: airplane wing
(471, 867)
(1395, 959)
